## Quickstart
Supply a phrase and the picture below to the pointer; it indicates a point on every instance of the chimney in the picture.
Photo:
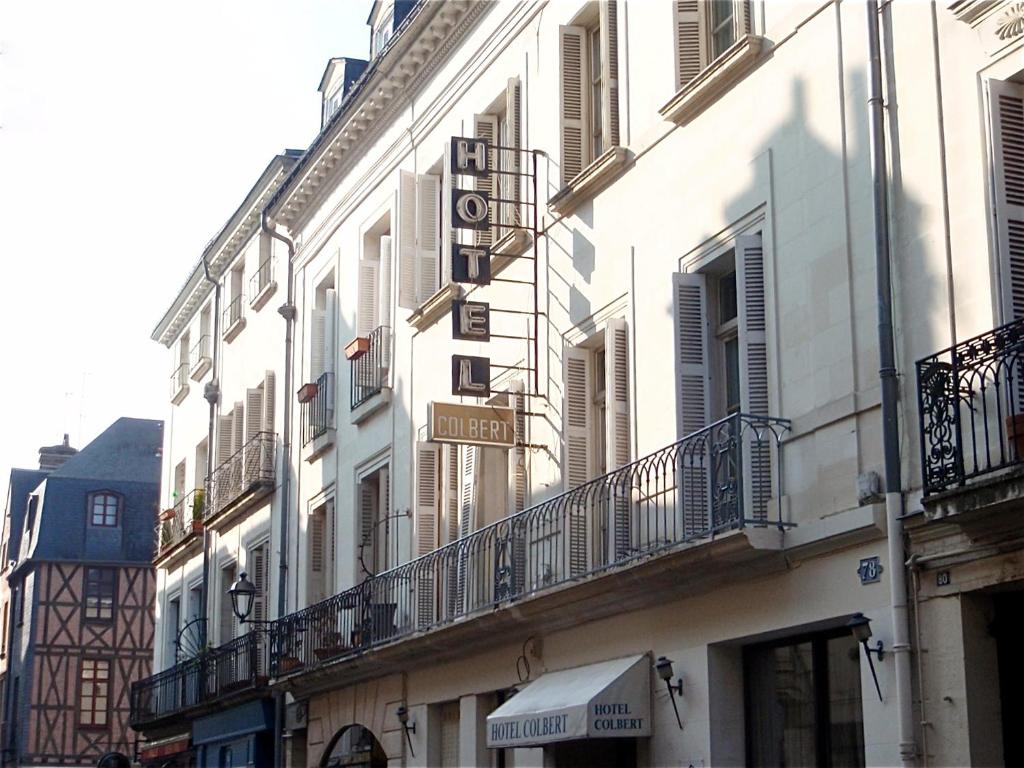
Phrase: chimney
(53, 456)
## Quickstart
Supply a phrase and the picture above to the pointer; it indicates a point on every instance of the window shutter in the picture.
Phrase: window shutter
(610, 71)
(316, 557)
(452, 499)
(468, 496)
(254, 408)
(331, 547)
(227, 616)
(269, 400)
(317, 329)
(427, 483)
(224, 438)
(368, 295)
(514, 131)
(368, 527)
(330, 328)
(261, 582)
(428, 219)
(691, 45)
(573, 101)
(407, 240)
(745, 17)
(384, 533)
(384, 286)
(692, 398)
(519, 488)
(576, 416)
(616, 348)
(1008, 158)
(238, 427)
(486, 127)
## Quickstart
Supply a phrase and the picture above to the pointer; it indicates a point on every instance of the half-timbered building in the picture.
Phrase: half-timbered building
(78, 541)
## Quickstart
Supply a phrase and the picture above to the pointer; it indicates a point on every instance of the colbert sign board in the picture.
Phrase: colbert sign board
(472, 424)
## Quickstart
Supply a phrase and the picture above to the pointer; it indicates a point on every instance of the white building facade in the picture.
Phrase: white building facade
(575, 419)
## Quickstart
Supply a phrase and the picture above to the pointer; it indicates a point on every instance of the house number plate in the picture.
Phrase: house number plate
(870, 570)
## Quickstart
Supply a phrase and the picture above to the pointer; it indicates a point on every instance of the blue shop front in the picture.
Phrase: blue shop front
(237, 737)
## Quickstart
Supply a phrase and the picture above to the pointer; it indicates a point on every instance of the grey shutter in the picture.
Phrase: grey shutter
(407, 240)
(1007, 101)
(486, 127)
(368, 529)
(514, 158)
(315, 541)
(384, 284)
(692, 400)
(577, 420)
(317, 331)
(269, 400)
(224, 438)
(691, 43)
(369, 292)
(520, 489)
(616, 347)
(753, 374)
(237, 427)
(610, 71)
(427, 503)
(254, 411)
(261, 582)
(575, 137)
(330, 343)
(428, 236)
(452, 502)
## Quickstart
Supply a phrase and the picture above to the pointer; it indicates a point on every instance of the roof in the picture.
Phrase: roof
(22, 483)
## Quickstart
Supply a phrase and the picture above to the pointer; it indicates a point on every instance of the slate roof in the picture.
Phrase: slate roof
(22, 483)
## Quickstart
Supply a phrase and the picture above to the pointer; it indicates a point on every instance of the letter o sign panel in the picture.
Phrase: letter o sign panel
(470, 209)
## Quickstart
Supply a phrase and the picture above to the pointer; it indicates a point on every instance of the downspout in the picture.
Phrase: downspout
(287, 311)
(211, 393)
(890, 398)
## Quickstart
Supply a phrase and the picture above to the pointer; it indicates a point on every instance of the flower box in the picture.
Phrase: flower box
(286, 664)
(197, 526)
(167, 514)
(356, 348)
(307, 392)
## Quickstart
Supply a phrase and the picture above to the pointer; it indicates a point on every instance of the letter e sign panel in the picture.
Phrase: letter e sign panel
(471, 320)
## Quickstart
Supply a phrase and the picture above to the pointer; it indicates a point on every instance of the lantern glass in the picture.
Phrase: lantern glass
(860, 626)
(242, 593)
(664, 668)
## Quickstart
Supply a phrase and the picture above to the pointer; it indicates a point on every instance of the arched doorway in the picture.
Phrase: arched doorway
(354, 745)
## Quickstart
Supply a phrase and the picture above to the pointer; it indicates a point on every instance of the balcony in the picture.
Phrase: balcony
(248, 475)
(179, 383)
(370, 364)
(971, 408)
(316, 415)
(180, 524)
(233, 319)
(262, 284)
(235, 670)
(621, 534)
(199, 358)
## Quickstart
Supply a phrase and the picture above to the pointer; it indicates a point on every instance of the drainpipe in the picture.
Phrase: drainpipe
(287, 311)
(890, 398)
(211, 392)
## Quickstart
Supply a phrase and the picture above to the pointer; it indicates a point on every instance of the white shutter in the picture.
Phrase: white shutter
(227, 615)
(745, 17)
(369, 292)
(368, 529)
(486, 127)
(384, 286)
(407, 240)
(452, 500)
(616, 348)
(383, 521)
(254, 409)
(610, 71)
(573, 101)
(512, 187)
(269, 400)
(518, 454)
(691, 45)
(317, 329)
(330, 547)
(427, 485)
(316, 539)
(576, 417)
(330, 329)
(692, 398)
(225, 438)
(428, 220)
(468, 489)
(753, 373)
(261, 582)
(237, 427)
(1008, 158)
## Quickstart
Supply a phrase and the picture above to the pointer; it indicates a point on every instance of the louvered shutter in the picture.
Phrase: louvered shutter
(407, 240)
(269, 400)
(577, 419)
(330, 329)
(690, 308)
(513, 164)
(317, 330)
(452, 503)
(486, 127)
(368, 530)
(610, 71)
(519, 489)
(428, 220)
(745, 17)
(254, 411)
(237, 427)
(427, 484)
(261, 582)
(237, 472)
(691, 46)
(616, 347)
(753, 373)
(1008, 158)
(384, 285)
(225, 438)
(468, 497)
(331, 547)
(383, 522)
(573, 101)
(369, 292)
(316, 539)
(227, 615)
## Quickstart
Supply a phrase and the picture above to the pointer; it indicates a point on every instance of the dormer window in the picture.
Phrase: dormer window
(104, 509)
(383, 32)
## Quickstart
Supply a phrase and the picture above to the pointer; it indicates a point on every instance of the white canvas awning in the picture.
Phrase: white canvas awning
(603, 700)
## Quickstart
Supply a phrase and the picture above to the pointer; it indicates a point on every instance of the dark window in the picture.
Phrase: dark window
(33, 505)
(100, 593)
(19, 603)
(727, 305)
(94, 701)
(803, 702)
(104, 509)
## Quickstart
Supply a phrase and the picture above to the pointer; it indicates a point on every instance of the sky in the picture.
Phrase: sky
(129, 133)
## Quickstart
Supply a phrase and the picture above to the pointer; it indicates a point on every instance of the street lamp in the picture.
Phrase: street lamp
(403, 717)
(243, 594)
(663, 666)
(860, 626)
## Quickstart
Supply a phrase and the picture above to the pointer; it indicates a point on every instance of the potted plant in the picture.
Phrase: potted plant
(331, 644)
(307, 392)
(286, 664)
(165, 534)
(356, 348)
(197, 510)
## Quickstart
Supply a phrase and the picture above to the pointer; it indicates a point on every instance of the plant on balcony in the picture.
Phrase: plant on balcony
(307, 392)
(331, 644)
(165, 533)
(356, 348)
(286, 664)
(198, 499)
(167, 514)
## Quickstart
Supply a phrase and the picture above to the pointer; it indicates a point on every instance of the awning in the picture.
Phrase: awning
(603, 700)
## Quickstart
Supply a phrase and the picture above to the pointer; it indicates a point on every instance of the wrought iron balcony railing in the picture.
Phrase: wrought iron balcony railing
(182, 520)
(179, 381)
(249, 469)
(232, 313)
(263, 276)
(370, 370)
(239, 665)
(200, 352)
(317, 414)
(971, 405)
(720, 478)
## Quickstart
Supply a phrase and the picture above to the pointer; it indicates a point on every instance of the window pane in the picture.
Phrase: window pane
(844, 702)
(732, 375)
(722, 26)
(780, 691)
(727, 298)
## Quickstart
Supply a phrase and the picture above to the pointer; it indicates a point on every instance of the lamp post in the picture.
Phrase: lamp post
(403, 717)
(243, 595)
(860, 626)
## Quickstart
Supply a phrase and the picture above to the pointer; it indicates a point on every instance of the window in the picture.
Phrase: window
(104, 508)
(172, 625)
(1007, 119)
(258, 563)
(100, 593)
(421, 235)
(33, 506)
(227, 615)
(704, 31)
(803, 701)
(378, 541)
(449, 712)
(374, 305)
(3, 637)
(501, 125)
(321, 544)
(383, 33)
(322, 330)
(589, 103)
(93, 703)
